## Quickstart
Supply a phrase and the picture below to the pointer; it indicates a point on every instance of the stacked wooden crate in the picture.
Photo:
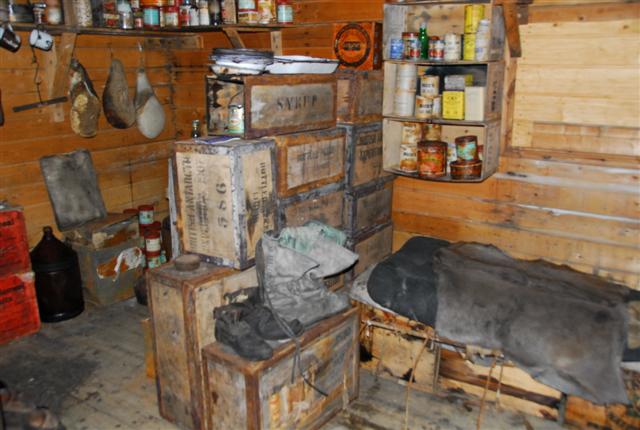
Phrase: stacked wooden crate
(368, 189)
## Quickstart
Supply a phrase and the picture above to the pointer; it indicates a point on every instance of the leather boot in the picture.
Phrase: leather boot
(232, 331)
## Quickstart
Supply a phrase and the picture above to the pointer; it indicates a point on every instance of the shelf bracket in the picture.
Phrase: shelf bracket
(234, 37)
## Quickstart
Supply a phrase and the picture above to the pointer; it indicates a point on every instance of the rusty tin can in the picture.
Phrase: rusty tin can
(467, 148)
(408, 158)
(466, 169)
(432, 158)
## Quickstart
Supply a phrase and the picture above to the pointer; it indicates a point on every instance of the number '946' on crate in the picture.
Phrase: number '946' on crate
(225, 197)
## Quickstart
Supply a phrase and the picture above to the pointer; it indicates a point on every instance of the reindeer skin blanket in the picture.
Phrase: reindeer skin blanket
(566, 328)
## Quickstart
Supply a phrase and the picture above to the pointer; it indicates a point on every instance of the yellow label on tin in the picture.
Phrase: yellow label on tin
(453, 105)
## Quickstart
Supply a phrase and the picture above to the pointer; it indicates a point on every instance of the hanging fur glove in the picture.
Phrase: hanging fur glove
(149, 111)
(118, 107)
(85, 105)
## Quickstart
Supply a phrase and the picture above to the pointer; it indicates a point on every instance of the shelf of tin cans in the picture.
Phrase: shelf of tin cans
(163, 31)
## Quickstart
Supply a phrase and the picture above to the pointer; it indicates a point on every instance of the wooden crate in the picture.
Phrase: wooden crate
(391, 342)
(109, 273)
(181, 305)
(441, 19)
(14, 247)
(371, 247)
(488, 139)
(273, 104)
(359, 96)
(307, 161)
(368, 206)
(18, 306)
(364, 154)
(325, 204)
(358, 45)
(225, 198)
(260, 395)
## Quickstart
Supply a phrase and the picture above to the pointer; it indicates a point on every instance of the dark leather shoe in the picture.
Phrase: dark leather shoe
(232, 331)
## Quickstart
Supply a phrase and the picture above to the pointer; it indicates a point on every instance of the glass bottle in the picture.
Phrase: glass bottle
(424, 41)
(58, 281)
(195, 128)
(214, 12)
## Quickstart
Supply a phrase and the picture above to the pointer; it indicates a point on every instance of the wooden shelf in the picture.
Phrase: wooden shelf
(424, 62)
(437, 121)
(446, 178)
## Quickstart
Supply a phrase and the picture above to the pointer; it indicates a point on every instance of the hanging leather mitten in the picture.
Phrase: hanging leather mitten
(85, 105)
(149, 111)
(118, 107)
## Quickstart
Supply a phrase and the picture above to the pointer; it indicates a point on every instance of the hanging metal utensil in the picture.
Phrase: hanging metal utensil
(36, 79)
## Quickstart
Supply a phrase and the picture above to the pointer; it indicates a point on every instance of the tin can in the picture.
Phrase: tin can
(473, 13)
(452, 47)
(432, 158)
(183, 15)
(432, 46)
(432, 132)
(152, 241)
(467, 148)
(461, 170)
(194, 17)
(469, 51)
(285, 13)
(247, 12)
(436, 111)
(452, 155)
(436, 49)
(138, 20)
(161, 17)
(171, 16)
(424, 107)
(396, 49)
(408, 158)
(411, 42)
(411, 133)
(236, 119)
(145, 215)
(151, 16)
(429, 85)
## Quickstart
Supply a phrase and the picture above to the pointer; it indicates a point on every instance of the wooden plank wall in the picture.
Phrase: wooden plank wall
(568, 187)
(132, 170)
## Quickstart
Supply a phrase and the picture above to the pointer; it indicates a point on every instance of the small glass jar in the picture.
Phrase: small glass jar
(285, 12)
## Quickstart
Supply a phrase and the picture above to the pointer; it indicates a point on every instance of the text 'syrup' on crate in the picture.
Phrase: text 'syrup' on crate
(273, 104)
(260, 394)
(225, 197)
(182, 306)
(18, 306)
(308, 161)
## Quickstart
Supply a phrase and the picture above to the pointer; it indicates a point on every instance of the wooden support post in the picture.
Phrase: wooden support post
(276, 42)
(234, 37)
(512, 28)
(57, 72)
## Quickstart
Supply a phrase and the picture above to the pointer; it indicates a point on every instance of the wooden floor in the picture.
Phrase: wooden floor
(90, 371)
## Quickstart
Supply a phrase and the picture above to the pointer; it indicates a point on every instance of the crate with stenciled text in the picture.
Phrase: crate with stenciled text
(363, 162)
(261, 394)
(368, 206)
(182, 306)
(272, 104)
(225, 193)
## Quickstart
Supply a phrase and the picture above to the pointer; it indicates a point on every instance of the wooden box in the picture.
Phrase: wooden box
(225, 197)
(260, 395)
(112, 230)
(14, 246)
(324, 204)
(371, 247)
(310, 160)
(181, 305)
(273, 104)
(359, 96)
(18, 306)
(368, 206)
(364, 154)
(441, 19)
(109, 273)
(488, 141)
(358, 46)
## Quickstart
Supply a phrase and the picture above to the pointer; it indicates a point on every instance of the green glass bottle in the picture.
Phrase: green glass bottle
(424, 41)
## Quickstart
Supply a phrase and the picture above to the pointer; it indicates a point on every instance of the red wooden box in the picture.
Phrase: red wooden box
(18, 306)
(14, 248)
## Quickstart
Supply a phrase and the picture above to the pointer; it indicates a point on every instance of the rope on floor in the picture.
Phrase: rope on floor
(413, 369)
(484, 393)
